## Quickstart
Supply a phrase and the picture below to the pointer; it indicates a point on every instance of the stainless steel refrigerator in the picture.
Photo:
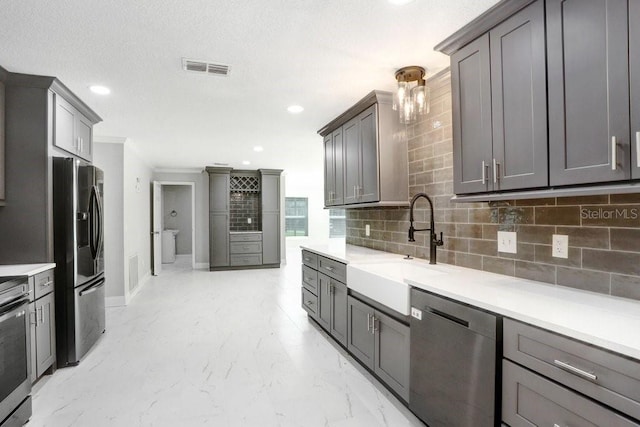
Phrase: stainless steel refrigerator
(78, 219)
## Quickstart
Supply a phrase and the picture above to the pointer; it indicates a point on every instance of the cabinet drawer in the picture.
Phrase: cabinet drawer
(332, 268)
(310, 279)
(245, 237)
(310, 303)
(531, 400)
(607, 377)
(249, 259)
(246, 247)
(43, 283)
(310, 259)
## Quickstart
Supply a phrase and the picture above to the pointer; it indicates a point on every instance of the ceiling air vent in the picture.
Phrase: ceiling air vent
(205, 67)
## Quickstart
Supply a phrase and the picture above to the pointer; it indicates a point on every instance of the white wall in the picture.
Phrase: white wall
(177, 199)
(201, 180)
(137, 214)
(110, 158)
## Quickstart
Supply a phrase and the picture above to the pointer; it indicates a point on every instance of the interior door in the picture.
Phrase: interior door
(156, 227)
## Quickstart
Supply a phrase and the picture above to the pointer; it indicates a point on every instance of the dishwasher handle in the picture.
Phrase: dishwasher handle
(448, 317)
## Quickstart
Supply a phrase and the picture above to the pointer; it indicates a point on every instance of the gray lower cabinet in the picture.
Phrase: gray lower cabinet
(500, 107)
(43, 326)
(270, 201)
(332, 311)
(218, 239)
(529, 399)
(587, 44)
(381, 343)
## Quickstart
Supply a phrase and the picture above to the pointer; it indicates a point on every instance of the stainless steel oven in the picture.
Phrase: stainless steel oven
(15, 369)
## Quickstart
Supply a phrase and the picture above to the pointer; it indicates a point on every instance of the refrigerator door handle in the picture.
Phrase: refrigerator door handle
(92, 226)
(98, 209)
(92, 289)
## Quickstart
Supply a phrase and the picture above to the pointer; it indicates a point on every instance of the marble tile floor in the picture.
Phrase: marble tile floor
(216, 349)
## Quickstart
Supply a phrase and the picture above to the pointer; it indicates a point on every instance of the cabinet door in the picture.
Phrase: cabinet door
(219, 239)
(2, 143)
(324, 301)
(329, 171)
(588, 91)
(33, 339)
(392, 353)
(271, 238)
(519, 101)
(64, 127)
(351, 165)
(360, 338)
(367, 190)
(338, 167)
(270, 190)
(634, 69)
(471, 102)
(218, 192)
(339, 312)
(84, 131)
(45, 334)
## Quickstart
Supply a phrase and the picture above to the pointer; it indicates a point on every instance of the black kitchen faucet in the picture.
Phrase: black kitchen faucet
(434, 242)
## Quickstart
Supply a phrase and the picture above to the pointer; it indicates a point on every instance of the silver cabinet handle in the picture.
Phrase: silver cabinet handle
(574, 370)
(309, 303)
(47, 284)
(41, 314)
(614, 153)
(373, 324)
(484, 172)
(495, 171)
(354, 191)
(35, 317)
(307, 259)
(638, 149)
(368, 322)
(330, 268)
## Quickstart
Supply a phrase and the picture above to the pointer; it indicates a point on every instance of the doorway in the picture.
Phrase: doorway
(173, 226)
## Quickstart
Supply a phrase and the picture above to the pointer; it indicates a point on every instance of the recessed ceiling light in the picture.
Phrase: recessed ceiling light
(295, 109)
(246, 162)
(100, 90)
(400, 2)
(258, 148)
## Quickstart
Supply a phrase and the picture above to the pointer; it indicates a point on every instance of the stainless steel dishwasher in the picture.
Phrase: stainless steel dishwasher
(453, 362)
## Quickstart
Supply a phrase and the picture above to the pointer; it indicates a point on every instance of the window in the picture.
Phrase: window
(296, 216)
(337, 223)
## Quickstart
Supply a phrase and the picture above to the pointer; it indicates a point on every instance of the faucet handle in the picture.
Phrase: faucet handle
(439, 242)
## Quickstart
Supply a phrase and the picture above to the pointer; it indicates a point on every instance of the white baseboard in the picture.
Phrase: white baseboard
(141, 284)
(115, 301)
(202, 265)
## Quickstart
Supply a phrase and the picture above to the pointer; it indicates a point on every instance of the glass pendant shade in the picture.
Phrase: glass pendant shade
(411, 99)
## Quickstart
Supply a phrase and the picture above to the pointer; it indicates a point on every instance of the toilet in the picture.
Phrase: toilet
(169, 246)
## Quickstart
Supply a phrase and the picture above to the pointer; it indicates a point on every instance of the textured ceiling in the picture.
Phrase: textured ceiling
(322, 54)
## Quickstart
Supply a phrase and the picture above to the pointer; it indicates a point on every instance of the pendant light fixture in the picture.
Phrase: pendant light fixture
(411, 99)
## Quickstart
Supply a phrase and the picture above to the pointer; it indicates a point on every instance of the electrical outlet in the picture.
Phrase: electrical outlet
(560, 246)
(367, 230)
(248, 220)
(507, 242)
(416, 312)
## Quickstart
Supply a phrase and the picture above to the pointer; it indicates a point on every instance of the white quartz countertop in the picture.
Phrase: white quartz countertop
(606, 321)
(17, 270)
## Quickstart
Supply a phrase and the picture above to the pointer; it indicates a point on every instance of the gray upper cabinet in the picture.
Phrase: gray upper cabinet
(333, 169)
(588, 77)
(365, 155)
(519, 102)
(634, 69)
(500, 107)
(73, 132)
(471, 103)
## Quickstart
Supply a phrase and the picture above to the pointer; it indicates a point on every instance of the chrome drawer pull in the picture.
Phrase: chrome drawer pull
(574, 370)
(49, 283)
(330, 268)
(307, 259)
(484, 173)
(368, 322)
(638, 149)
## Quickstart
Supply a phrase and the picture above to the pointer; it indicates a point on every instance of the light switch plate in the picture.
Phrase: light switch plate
(507, 242)
(248, 220)
(560, 246)
(367, 230)
(416, 312)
